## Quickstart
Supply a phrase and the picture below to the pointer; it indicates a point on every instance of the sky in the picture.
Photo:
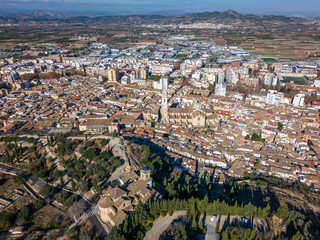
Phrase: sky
(167, 7)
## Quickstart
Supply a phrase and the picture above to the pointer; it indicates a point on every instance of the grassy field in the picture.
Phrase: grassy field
(182, 56)
(269, 59)
(296, 80)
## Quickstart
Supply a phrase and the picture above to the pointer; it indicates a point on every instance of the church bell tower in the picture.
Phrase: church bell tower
(164, 102)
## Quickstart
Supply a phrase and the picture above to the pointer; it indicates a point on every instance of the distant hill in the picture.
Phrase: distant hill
(43, 15)
(47, 14)
(226, 17)
(232, 16)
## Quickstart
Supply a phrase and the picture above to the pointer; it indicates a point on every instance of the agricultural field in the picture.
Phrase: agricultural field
(284, 48)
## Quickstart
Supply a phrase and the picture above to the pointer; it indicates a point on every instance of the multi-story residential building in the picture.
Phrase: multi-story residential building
(298, 100)
(232, 76)
(274, 97)
(270, 79)
(113, 75)
(220, 89)
(143, 73)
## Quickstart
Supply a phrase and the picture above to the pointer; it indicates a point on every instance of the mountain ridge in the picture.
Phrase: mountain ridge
(225, 17)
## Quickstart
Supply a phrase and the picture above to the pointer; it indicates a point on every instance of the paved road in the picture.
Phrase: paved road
(118, 150)
(161, 224)
(93, 219)
(211, 229)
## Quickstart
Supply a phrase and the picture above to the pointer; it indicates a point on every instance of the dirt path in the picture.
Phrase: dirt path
(161, 224)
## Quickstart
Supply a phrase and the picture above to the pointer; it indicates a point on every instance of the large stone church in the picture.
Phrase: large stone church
(193, 116)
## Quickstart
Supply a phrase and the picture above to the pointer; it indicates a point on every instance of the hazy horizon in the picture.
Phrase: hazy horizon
(308, 8)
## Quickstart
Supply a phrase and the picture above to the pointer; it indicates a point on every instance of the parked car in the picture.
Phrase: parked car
(213, 218)
(243, 220)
